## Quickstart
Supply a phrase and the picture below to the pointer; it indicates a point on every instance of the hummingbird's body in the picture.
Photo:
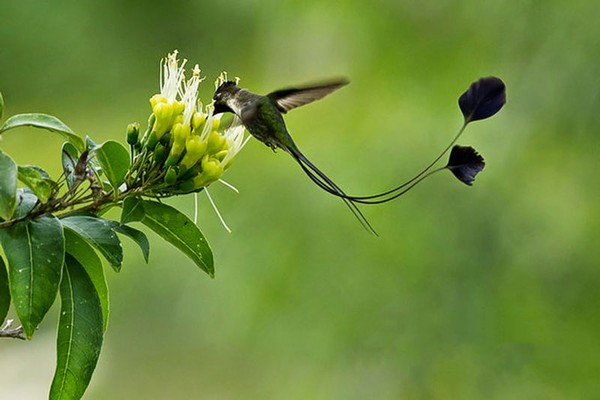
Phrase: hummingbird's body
(262, 117)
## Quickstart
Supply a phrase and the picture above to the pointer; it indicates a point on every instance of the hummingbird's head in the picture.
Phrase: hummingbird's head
(224, 95)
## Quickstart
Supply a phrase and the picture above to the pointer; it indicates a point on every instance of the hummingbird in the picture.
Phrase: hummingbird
(262, 116)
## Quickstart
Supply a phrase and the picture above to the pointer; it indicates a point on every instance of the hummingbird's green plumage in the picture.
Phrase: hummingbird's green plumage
(262, 117)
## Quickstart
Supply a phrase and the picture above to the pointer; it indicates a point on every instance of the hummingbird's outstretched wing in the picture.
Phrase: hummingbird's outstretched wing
(288, 99)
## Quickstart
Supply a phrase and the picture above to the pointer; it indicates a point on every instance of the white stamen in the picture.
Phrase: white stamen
(208, 124)
(171, 77)
(229, 185)
(190, 95)
(217, 211)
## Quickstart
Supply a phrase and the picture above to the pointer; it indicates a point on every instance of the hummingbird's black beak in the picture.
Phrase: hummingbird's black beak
(221, 108)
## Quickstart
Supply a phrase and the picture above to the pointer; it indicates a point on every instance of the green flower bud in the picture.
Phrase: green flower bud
(164, 118)
(178, 107)
(195, 148)
(151, 141)
(216, 122)
(133, 133)
(171, 175)
(165, 140)
(198, 121)
(186, 186)
(161, 153)
(180, 134)
(146, 137)
(216, 143)
(157, 98)
(190, 173)
(220, 155)
(211, 171)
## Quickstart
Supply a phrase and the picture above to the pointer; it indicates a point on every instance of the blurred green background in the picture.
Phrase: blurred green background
(469, 293)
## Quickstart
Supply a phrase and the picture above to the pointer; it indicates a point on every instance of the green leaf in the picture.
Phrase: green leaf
(4, 292)
(133, 210)
(80, 334)
(87, 257)
(114, 160)
(97, 231)
(1, 105)
(35, 252)
(89, 143)
(43, 121)
(8, 186)
(137, 236)
(69, 157)
(37, 180)
(181, 232)
(26, 202)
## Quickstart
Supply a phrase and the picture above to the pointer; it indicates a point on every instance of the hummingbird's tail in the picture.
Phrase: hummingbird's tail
(323, 181)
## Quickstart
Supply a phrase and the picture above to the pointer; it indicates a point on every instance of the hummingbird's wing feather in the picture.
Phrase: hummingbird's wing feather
(288, 99)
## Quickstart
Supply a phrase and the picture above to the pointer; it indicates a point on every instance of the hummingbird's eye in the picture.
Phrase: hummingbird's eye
(217, 96)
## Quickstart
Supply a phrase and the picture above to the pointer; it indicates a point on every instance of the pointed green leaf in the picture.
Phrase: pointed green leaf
(98, 232)
(180, 231)
(35, 252)
(37, 180)
(26, 202)
(80, 334)
(87, 257)
(4, 292)
(138, 237)
(89, 143)
(43, 121)
(133, 210)
(69, 157)
(8, 186)
(114, 160)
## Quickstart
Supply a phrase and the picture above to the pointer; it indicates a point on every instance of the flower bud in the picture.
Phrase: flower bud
(178, 107)
(216, 122)
(164, 118)
(198, 121)
(211, 171)
(157, 98)
(160, 153)
(165, 140)
(195, 148)
(151, 141)
(186, 186)
(220, 155)
(180, 134)
(216, 142)
(133, 133)
(171, 175)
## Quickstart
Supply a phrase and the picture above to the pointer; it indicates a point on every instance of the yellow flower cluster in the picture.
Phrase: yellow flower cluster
(184, 139)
